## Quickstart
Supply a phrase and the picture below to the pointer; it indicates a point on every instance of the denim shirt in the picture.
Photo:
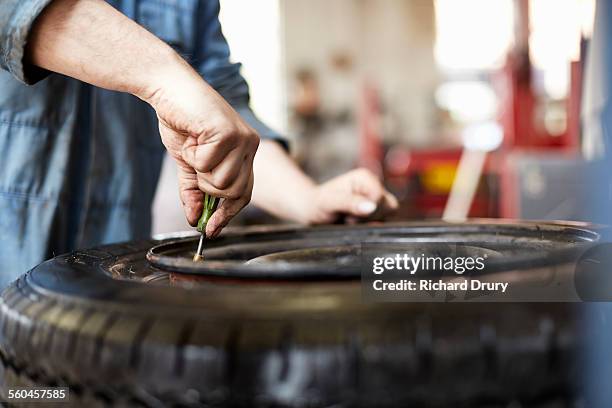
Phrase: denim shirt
(79, 165)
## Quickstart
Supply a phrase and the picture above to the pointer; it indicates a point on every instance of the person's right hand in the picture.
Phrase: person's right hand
(212, 146)
(93, 42)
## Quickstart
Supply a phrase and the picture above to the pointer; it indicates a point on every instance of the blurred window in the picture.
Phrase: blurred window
(473, 38)
(473, 34)
(556, 27)
(253, 31)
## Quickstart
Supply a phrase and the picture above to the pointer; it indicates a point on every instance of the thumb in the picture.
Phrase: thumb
(362, 206)
(353, 204)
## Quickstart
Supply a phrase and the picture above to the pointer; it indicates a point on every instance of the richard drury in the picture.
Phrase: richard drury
(439, 285)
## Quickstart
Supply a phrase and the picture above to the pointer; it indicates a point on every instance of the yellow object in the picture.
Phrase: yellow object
(438, 178)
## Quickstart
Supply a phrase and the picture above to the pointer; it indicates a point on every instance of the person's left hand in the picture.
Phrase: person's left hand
(356, 194)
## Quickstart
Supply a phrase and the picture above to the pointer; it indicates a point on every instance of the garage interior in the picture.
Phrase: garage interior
(401, 87)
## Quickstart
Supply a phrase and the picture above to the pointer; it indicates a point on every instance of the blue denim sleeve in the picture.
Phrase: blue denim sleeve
(16, 19)
(211, 59)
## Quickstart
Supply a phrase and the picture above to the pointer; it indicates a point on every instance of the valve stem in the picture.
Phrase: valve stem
(199, 255)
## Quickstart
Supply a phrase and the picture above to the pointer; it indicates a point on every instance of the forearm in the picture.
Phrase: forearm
(281, 188)
(91, 41)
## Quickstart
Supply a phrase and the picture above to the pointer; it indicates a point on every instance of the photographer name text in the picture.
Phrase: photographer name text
(439, 285)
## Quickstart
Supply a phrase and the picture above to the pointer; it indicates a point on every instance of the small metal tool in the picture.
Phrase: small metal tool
(199, 255)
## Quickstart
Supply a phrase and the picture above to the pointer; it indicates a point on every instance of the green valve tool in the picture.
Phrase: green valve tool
(210, 205)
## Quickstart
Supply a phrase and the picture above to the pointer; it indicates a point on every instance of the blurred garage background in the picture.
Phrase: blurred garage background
(464, 108)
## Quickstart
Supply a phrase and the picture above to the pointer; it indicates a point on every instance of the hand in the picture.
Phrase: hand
(212, 146)
(93, 42)
(357, 193)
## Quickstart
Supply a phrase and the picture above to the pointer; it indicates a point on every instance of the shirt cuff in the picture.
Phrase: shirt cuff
(16, 19)
(263, 130)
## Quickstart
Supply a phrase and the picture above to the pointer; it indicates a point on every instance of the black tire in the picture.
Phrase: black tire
(284, 344)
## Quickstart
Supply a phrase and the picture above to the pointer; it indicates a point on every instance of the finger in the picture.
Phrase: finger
(234, 191)
(206, 154)
(354, 204)
(192, 205)
(190, 195)
(362, 206)
(226, 174)
(226, 211)
(366, 184)
(388, 204)
(390, 201)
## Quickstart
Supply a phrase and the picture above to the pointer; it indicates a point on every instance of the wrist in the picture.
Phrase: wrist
(167, 69)
(306, 203)
(281, 188)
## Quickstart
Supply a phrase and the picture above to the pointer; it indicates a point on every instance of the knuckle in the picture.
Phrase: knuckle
(229, 134)
(254, 146)
(221, 181)
(201, 185)
(201, 166)
(200, 160)
(233, 194)
(199, 127)
(247, 198)
(204, 186)
(369, 177)
(254, 140)
(232, 135)
(363, 172)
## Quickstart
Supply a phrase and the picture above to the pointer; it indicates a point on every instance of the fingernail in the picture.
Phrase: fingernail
(366, 207)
